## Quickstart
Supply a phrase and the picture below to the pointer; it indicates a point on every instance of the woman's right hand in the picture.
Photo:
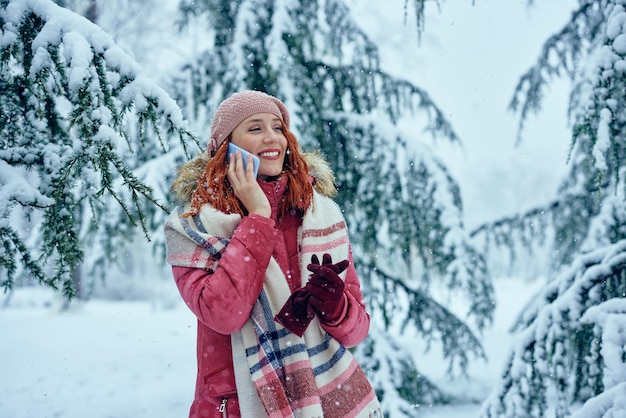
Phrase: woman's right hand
(246, 188)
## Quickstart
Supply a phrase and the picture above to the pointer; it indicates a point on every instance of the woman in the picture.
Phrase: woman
(274, 322)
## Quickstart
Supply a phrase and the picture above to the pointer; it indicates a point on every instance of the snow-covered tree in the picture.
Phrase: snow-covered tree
(571, 342)
(403, 207)
(77, 122)
(137, 26)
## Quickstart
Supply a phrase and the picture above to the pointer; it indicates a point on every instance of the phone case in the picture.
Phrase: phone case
(232, 149)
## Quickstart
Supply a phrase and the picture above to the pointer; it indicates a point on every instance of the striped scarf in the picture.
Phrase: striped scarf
(283, 375)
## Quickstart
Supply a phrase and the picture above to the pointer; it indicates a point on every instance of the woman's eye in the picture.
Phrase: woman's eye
(278, 128)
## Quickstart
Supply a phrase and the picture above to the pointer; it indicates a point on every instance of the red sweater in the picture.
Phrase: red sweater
(222, 301)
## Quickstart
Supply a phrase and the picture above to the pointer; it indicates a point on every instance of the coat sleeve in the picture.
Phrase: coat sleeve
(223, 300)
(352, 327)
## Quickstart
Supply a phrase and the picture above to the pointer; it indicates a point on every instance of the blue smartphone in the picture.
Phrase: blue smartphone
(232, 149)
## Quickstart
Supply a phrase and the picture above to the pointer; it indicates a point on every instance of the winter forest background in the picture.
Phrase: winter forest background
(479, 153)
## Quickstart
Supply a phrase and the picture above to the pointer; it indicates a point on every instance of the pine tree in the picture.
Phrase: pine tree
(570, 340)
(74, 110)
(403, 207)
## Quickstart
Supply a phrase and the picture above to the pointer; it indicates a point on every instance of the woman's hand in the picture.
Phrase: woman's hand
(246, 188)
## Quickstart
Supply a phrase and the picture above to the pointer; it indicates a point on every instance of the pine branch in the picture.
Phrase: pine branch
(72, 97)
(379, 90)
(430, 319)
(13, 247)
(566, 47)
(530, 227)
(550, 345)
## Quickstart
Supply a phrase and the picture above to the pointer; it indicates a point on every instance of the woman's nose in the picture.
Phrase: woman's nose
(271, 135)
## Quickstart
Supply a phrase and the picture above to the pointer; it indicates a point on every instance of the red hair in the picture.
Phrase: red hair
(215, 189)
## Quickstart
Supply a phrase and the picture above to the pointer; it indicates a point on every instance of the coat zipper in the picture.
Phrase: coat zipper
(222, 408)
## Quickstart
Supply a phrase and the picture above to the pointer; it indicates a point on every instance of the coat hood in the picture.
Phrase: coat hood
(190, 172)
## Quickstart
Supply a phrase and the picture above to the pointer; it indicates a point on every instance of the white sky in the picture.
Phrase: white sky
(469, 61)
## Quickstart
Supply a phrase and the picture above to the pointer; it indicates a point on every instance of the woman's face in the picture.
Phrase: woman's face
(262, 135)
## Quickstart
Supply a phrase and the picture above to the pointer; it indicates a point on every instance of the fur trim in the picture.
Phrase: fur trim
(189, 173)
(319, 169)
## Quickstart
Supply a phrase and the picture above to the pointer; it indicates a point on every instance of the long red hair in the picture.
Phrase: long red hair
(215, 189)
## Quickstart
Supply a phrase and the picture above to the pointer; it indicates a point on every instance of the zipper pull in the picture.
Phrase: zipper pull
(222, 408)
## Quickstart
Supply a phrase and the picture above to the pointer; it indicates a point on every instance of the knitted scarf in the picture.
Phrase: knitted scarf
(285, 375)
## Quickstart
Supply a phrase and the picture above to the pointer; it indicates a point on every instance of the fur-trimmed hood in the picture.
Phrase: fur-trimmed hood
(191, 171)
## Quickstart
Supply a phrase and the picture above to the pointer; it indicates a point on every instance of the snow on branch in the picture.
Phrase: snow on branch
(609, 318)
(609, 404)
(15, 189)
(74, 110)
(570, 340)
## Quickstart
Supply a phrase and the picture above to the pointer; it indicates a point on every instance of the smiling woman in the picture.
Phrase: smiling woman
(262, 135)
(274, 322)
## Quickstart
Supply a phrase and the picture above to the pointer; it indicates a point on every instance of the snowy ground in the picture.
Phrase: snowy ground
(136, 359)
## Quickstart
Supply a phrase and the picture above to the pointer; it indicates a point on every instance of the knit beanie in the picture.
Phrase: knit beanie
(234, 110)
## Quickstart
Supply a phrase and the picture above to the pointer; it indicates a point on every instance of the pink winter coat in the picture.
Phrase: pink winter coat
(222, 301)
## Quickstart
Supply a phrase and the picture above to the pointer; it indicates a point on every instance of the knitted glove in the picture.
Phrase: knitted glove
(326, 287)
(296, 313)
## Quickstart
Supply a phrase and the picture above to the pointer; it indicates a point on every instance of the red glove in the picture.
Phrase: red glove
(326, 287)
(296, 313)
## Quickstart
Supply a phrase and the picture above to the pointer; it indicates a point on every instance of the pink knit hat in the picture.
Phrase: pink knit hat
(234, 110)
